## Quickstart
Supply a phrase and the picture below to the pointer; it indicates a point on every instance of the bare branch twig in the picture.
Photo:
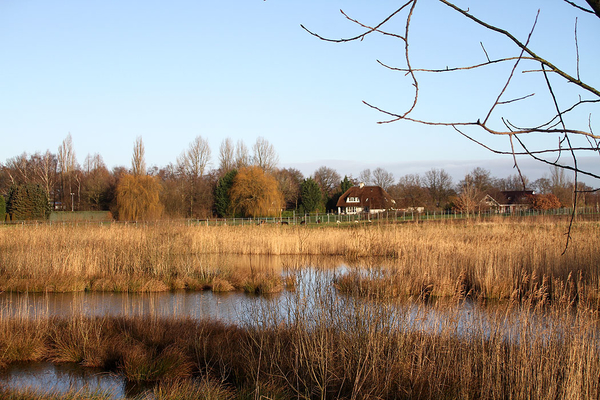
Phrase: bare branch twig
(547, 63)
(579, 7)
(362, 35)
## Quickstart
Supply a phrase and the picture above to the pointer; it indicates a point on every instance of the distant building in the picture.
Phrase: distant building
(507, 202)
(365, 199)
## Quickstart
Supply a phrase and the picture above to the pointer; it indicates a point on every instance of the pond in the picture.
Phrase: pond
(230, 307)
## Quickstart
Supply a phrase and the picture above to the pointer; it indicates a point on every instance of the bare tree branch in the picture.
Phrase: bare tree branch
(522, 46)
(456, 68)
(579, 7)
(512, 72)
(362, 35)
(595, 4)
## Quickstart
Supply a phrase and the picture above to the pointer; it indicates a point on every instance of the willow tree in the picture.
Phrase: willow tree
(138, 198)
(255, 193)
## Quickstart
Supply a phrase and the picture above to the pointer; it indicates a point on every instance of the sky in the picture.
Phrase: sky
(109, 71)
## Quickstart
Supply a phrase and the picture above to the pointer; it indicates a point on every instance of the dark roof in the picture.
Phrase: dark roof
(510, 197)
(373, 197)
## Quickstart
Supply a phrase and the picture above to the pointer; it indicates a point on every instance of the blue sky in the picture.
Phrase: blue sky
(109, 71)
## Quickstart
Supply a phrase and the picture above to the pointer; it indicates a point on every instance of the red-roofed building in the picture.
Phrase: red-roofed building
(365, 199)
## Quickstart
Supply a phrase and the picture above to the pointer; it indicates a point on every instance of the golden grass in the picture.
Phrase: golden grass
(493, 260)
(328, 347)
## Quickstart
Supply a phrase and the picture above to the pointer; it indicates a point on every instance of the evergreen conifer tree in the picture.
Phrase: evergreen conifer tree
(222, 200)
(27, 202)
(311, 197)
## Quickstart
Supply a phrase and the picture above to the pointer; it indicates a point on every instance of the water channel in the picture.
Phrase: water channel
(231, 307)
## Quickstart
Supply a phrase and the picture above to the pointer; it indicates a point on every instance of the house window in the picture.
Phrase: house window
(353, 200)
(351, 210)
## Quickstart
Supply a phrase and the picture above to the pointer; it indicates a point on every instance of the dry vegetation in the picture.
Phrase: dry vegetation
(541, 342)
(329, 347)
(504, 260)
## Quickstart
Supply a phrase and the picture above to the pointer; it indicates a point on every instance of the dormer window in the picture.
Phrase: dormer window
(353, 200)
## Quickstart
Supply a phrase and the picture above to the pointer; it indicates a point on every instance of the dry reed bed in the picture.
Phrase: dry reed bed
(329, 347)
(492, 260)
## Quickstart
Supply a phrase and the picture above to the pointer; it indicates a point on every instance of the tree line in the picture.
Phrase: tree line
(246, 182)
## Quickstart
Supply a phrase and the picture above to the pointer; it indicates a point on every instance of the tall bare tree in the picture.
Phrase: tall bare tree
(470, 196)
(328, 180)
(409, 192)
(67, 166)
(481, 178)
(242, 155)
(138, 160)
(196, 158)
(365, 177)
(289, 180)
(513, 182)
(264, 155)
(193, 163)
(46, 167)
(383, 178)
(226, 156)
(96, 183)
(439, 184)
(19, 169)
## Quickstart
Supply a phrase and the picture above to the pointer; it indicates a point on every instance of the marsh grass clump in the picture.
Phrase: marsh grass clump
(141, 363)
(22, 340)
(263, 283)
(201, 389)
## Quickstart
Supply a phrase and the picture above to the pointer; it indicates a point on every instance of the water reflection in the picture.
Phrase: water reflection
(45, 377)
(227, 307)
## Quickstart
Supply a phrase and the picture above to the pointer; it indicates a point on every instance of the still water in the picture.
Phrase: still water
(231, 307)
(227, 306)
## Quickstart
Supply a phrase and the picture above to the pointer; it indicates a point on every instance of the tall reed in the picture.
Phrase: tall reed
(493, 260)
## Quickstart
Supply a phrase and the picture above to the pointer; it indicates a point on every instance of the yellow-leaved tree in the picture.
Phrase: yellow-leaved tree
(255, 193)
(138, 198)
(138, 193)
